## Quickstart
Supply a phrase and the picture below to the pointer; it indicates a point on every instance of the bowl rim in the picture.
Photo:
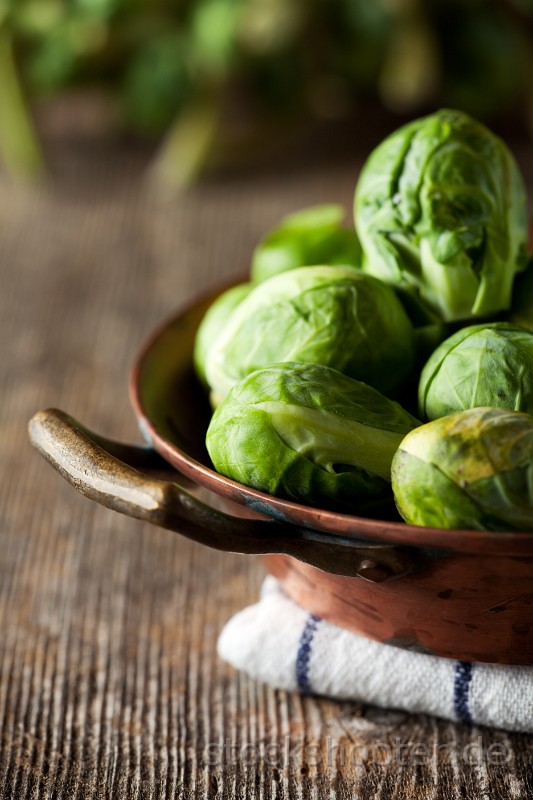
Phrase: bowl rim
(513, 543)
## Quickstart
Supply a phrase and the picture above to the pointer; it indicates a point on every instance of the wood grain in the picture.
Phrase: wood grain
(110, 686)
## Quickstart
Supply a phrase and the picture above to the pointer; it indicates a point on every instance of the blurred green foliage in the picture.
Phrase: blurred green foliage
(172, 63)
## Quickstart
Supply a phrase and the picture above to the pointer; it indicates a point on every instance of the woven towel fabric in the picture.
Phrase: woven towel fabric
(280, 643)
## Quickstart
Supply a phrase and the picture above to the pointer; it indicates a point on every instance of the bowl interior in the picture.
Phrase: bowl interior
(168, 398)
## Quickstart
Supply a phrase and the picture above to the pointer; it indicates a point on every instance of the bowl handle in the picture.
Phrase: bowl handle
(118, 476)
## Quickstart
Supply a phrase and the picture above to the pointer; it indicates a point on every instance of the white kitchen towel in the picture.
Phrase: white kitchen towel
(280, 643)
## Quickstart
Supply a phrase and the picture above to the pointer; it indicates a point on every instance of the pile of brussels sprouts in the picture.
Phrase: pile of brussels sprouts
(315, 364)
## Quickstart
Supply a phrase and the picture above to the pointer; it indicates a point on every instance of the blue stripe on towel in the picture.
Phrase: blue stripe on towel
(303, 655)
(461, 690)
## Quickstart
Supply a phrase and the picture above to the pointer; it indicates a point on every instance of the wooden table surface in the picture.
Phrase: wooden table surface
(110, 686)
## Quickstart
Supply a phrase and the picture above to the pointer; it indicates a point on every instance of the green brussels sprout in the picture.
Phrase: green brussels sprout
(440, 209)
(336, 316)
(213, 322)
(481, 365)
(471, 470)
(308, 433)
(310, 236)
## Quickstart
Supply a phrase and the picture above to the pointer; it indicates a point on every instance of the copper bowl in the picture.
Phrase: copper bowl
(466, 595)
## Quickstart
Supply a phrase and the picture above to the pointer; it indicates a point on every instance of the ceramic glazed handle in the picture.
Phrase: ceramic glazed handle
(118, 476)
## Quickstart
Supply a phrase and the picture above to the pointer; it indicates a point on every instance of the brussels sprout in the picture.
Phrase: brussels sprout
(213, 322)
(336, 316)
(473, 469)
(308, 433)
(481, 365)
(311, 236)
(440, 209)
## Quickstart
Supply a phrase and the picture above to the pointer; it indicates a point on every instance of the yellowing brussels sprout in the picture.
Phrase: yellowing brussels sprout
(335, 316)
(213, 322)
(308, 433)
(471, 470)
(440, 209)
(311, 236)
(481, 365)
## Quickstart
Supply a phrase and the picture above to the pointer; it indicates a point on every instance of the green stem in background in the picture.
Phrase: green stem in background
(188, 146)
(19, 146)
(205, 138)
